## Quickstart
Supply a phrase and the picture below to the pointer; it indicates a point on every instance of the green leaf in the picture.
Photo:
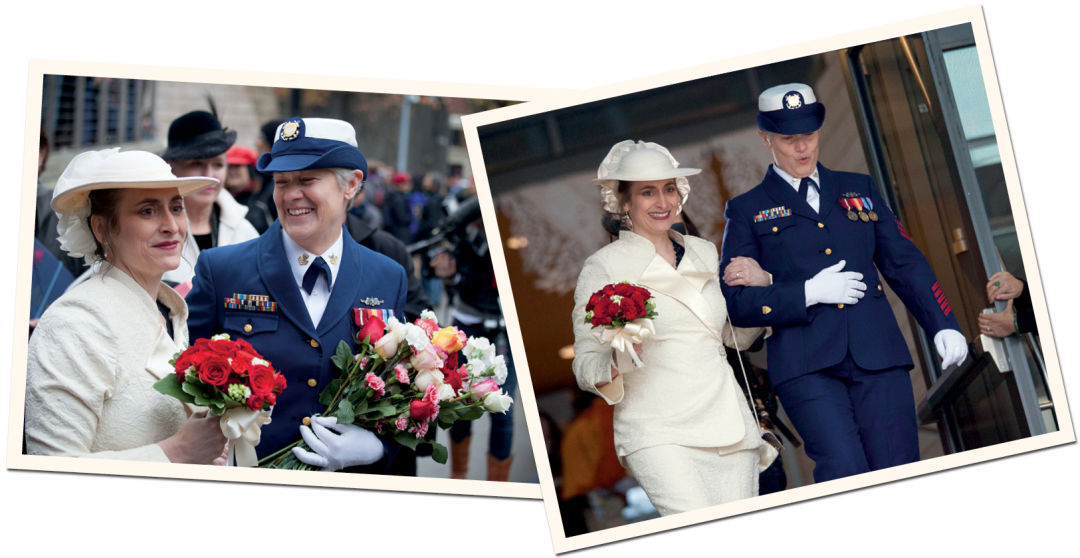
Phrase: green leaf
(361, 407)
(343, 356)
(471, 414)
(406, 439)
(345, 414)
(191, 389)
(382, 411)
(439, 453)
(329, 392)
(447, 414)
(170, 385)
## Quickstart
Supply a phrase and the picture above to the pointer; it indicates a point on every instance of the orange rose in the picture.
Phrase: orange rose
(449, 339)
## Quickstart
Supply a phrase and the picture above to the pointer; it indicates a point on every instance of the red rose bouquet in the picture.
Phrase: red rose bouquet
(232, 380)
(621, 315)
(404, 378)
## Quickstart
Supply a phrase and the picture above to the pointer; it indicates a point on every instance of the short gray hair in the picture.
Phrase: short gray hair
(344, 176)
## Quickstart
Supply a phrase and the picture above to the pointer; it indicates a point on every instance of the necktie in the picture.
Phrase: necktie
(318, 267)
(804, 189)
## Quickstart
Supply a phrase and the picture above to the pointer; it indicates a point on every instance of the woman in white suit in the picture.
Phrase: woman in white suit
(98, 349)
(682, 425)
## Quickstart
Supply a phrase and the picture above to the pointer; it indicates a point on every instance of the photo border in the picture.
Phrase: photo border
(970, 15)
(38, 68)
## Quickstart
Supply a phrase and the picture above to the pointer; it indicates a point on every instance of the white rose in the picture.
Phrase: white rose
(446, 392)
(497, 401)
(479, 348)
(500, 369)
(387, 345)
(426, 378)
(428, 315)
(416, 337)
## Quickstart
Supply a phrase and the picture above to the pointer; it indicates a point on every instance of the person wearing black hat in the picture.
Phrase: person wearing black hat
(837, 359)
(307, 276)
(197, 147)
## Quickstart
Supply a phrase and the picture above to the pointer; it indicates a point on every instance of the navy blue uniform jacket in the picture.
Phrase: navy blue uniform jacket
(286, 337)
(793, 248)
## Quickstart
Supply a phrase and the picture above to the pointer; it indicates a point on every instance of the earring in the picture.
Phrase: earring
(629, 224)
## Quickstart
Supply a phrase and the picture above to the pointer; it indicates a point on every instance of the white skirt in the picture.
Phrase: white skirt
(679, 478)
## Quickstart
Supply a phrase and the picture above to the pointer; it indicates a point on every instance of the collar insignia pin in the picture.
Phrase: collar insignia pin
(302, 260)
(333, 259)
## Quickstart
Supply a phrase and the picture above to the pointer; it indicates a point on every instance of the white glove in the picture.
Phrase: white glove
(337, 446)
(951, 347)
(832, 286)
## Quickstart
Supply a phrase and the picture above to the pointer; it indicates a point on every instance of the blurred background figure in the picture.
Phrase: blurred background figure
(396, 214)
(264, 140)
(197, 146)
(245, 185)
(459, 255)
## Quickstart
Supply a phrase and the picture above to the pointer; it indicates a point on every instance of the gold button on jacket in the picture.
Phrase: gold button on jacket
(765, 309)
(306, 421)
(247, 328)
(315, 343)
(312, 382)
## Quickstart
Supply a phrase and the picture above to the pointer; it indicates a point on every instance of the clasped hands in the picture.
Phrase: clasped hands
(1001, 286)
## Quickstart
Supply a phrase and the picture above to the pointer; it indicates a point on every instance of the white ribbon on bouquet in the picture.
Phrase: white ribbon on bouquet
(243, 428)
(622, 339)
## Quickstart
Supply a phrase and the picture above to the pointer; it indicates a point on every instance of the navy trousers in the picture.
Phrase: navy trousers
(853, 420)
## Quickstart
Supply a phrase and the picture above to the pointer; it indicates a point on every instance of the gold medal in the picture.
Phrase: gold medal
(873, 216)
(851, 215)
(865, 218)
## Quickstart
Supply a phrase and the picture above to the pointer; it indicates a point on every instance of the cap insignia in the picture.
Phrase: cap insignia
(290, 130)
(793, 100)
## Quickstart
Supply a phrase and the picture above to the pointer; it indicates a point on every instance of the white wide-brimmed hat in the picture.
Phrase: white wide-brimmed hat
(105, 169)
(634, 161)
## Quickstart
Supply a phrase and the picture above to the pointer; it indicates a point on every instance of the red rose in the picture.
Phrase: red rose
(631, 309)
(262, 380)
(608, 290)
(371, 331)
(241, 363)
(183, 362)
(271, 399)
(279, 383)
(594, 300)
(423, 411)
(246, 347)
(223, 347)
(607, 311)
(450, 372)
(624, 289)
(255, 402)
(215, 370)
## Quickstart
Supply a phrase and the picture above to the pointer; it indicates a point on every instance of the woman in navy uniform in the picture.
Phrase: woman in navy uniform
(290, 292)
(837, 359)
